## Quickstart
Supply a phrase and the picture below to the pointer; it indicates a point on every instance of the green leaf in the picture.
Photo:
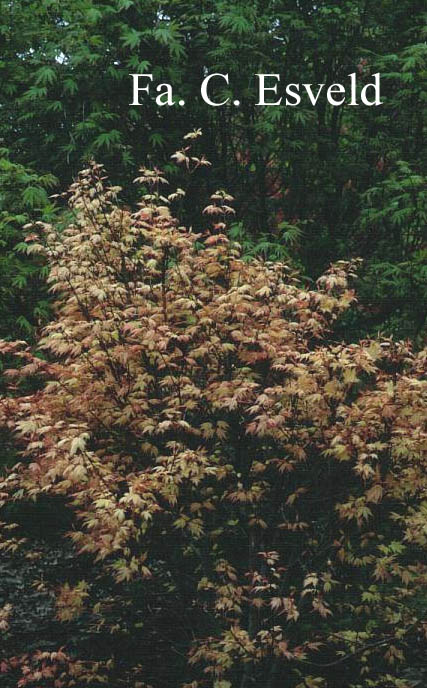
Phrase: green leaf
(45, 75)
(131, 38)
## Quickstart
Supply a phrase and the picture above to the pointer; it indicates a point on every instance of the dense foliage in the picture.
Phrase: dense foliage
(23, 293)
(221, 478)
(248, 491)
(315, 183)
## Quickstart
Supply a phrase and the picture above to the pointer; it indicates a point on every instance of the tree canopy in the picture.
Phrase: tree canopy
(250, 497)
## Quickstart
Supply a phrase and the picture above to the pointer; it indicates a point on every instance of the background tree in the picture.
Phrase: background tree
(23, 291)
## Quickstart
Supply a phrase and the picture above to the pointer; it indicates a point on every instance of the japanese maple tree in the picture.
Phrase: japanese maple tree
(251, 489)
